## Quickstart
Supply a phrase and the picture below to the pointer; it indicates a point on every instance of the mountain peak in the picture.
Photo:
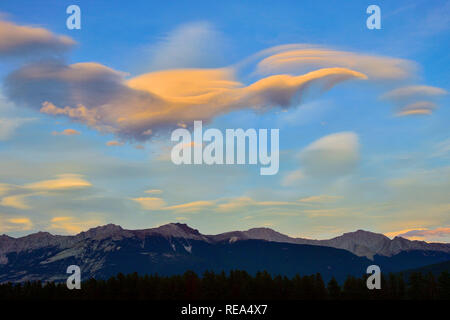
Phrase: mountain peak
(185, 227)
(106, 227)
(266, 234)
(102, 231)
(363, 234)
(176, 230)
(39, 235)
(359, 242)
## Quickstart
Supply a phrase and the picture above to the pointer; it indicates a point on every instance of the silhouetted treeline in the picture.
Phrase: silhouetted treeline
(237, 285)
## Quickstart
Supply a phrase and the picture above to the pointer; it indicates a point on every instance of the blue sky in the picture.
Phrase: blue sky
(367, 154)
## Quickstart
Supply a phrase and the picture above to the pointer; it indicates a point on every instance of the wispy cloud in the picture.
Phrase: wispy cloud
(95, 94)
(159, 100)
(191, 45)
(154, 191)
(414, 91)
(62, 182)
(72, 225)
(66, 132)
(114, 143)
(298, 57)
(320, 199)
(410, 100)
(293, 177)
(193, 206)
(334, 154)
(15, 224)
(16, 201)
(8, 126)
(16, 40)
(150, 203)
(14, 196)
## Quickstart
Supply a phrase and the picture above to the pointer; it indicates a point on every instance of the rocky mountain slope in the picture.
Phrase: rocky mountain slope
(175, 248)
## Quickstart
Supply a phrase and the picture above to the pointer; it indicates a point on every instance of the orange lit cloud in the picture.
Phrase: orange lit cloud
(15, 201)
(421, 233)
(135, 109)
(114, 143)
(14, 196)
(414, 112)
(62, 182)
(66, 132)
(96, 95)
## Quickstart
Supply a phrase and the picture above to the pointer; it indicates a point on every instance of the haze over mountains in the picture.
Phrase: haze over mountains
(175, 248)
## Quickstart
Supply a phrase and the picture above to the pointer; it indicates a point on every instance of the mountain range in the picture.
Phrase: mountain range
(175, 248)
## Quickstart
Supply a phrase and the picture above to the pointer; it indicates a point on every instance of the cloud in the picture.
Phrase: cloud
(320, 199)
(219, 205)
(154, 191)
(72, 225)
(15, 224)
(66, 132)
(16, 201)
(417, 108)
(192, 45)
(438, 177)
(8, 126)
(150, 203)
(236, 203)
(440, 232)
(18, 40)
(191, 207)
(298, 57)
(240, 203)
(184, 90)
(292, 178)
(331, 212)
(421, 233)
(114, 143)
(441, 149)
(14, 196)
(436, 19)
(158, 101)
(332, 155)
(410, 100)
(62, 182)
(76, 85)
(414, 91)
(421, 190)
(4, 188)
(399, 232)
